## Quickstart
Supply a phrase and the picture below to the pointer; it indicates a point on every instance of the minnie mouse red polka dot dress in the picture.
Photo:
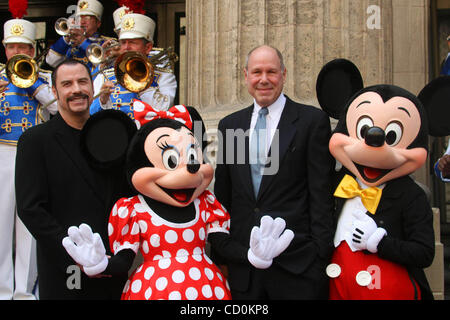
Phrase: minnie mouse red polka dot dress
(175, 263)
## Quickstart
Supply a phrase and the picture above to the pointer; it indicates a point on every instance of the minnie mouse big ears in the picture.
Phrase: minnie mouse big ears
(336, 83)
(435, 97)
(105, 138)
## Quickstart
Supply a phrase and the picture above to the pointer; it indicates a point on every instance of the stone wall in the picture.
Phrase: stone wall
(386, 39)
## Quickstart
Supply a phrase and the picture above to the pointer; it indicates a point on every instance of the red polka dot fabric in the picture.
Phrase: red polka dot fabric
(175, 265)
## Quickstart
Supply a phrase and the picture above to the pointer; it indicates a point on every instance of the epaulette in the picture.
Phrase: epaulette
(45, 74)
(45, 71)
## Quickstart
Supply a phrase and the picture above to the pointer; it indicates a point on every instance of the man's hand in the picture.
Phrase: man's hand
(444, 165)
(3, 86)
(76, 36)
(105, 91)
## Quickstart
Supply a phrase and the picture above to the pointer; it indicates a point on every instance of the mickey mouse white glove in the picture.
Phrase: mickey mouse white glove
(365, 234)
(86, 249)
(268, 241)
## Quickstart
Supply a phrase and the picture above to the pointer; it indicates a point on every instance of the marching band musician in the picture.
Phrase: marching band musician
(117, 17)
(19, 109)
(135, 34)
(88, 18)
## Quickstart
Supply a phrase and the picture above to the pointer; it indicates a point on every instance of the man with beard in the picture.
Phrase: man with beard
(57, 188)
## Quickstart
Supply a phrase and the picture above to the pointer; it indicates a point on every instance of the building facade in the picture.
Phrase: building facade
(399, 42)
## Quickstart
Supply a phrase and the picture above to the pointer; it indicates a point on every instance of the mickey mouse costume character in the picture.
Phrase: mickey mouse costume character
(384, 234)
(172, 215)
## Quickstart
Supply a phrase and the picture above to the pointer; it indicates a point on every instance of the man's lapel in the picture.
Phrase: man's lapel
(286, 131)
(244, 169)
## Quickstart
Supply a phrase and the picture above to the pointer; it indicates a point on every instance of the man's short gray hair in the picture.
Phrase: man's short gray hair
(280, 56)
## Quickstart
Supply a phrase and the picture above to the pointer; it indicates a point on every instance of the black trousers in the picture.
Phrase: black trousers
(276, 283)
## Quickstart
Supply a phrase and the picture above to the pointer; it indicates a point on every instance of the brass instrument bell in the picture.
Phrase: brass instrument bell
(96, 53)
(62, 26)
(22, 70)
(134, 71)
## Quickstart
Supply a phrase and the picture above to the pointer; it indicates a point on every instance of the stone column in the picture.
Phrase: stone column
(308, 33)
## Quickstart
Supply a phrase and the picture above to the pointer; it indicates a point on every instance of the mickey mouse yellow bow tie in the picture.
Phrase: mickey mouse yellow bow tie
(349, 188)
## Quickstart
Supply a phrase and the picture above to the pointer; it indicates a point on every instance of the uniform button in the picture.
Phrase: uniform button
(256, 210)
(333, 270)
(363, 278)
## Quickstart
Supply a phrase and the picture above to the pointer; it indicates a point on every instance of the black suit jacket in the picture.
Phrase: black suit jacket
(406, 215)
(299, 192)
(55, 189)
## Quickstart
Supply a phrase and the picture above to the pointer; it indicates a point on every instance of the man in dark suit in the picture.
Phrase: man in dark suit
(57, 188)
(295, 185)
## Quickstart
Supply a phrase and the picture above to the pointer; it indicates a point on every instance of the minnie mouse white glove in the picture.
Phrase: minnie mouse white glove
(365, 234)
(268, 242)
(86, 249)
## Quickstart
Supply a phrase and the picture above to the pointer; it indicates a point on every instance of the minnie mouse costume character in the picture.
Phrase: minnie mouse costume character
(172, 215)
(384, 234)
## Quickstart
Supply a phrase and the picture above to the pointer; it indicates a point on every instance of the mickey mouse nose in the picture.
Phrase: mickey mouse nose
(193, 167)
(375, 137)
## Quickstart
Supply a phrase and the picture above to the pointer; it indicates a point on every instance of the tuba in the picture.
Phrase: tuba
(22, 70)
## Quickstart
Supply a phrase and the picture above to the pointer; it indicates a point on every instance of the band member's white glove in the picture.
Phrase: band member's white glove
(365, 234)
(268, 241)
(86, 248)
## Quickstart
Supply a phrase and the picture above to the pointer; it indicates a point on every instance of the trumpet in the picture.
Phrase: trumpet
(21, 70)
(62, 27)
(96, 54)
(66, 27)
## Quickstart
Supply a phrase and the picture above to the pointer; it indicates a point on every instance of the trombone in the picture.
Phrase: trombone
(21, 70)
(134, 71)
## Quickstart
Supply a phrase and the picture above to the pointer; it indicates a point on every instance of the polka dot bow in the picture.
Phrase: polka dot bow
(144, 113)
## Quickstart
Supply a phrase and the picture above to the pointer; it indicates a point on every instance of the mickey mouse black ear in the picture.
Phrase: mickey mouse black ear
(105, 138)
(435, 97)
(336, 83)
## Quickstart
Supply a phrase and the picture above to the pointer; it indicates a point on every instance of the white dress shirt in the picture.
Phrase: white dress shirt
(272, 119)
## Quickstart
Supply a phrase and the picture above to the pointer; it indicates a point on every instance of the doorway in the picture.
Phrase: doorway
(170, 18)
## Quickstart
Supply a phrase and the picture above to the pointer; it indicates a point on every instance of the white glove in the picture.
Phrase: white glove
(267, 242)
(365, 234)
(86, 249)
